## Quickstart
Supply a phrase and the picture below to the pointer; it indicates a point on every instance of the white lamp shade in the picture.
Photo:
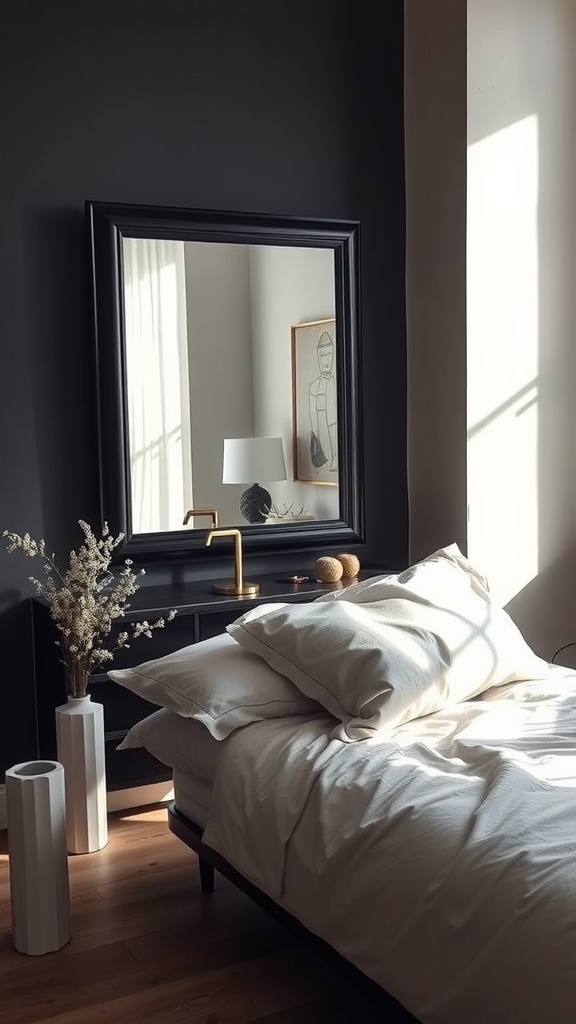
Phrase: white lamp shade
(253, 459)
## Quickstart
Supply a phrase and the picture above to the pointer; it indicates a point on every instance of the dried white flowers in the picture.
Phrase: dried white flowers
(85, 601)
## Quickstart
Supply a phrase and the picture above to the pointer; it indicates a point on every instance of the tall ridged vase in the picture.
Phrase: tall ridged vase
(80, 745)
(39, 891)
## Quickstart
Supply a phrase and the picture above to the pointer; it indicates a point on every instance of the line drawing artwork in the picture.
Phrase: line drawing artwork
(315, 404)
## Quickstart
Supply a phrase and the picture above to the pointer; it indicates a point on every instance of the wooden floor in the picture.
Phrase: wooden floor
(148, 946)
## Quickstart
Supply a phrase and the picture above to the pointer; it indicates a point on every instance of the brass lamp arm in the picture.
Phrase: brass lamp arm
(201, 512)
(239, 586)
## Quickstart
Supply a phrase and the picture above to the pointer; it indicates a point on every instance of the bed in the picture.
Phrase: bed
(394, 769)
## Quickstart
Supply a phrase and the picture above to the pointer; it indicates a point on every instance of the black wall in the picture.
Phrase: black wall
(259, 105)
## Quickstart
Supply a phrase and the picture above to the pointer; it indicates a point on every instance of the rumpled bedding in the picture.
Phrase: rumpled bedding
(441, 861)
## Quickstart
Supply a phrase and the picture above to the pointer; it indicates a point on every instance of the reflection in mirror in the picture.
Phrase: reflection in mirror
(209, 356)
(211, 326)
(248, 460)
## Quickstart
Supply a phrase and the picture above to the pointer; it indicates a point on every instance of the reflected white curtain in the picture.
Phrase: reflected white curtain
(158, 383)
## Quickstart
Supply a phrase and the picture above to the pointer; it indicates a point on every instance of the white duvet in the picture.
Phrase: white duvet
(441, 862)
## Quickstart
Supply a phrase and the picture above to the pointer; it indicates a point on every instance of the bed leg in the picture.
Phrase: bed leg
(206, 875)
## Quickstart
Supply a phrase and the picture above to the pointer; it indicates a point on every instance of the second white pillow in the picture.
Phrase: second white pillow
(218, 683)
(377, 664)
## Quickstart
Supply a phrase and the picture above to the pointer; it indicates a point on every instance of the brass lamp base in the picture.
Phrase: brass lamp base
(238, 586)
(232, 589)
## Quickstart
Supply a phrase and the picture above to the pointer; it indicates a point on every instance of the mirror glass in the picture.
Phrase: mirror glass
(226, 340)
(217, 333)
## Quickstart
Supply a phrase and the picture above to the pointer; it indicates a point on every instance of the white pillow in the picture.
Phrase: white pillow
(181, 743)
(437, 579)
(393, 649)
(218, 683)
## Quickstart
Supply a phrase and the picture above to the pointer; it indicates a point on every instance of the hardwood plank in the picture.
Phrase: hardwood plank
(327, 1011)
(118, 996)
(228, 1011)
(147, 946)
(297, 977)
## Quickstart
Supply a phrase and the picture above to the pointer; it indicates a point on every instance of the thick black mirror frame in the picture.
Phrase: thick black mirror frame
(107, 225)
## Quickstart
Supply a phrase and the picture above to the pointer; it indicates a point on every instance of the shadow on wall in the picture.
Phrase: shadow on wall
(8, 598)
(536, 615)
(58, 322)
(18, 718)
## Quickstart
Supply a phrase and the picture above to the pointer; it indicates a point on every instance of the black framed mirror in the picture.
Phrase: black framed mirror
(213, 326)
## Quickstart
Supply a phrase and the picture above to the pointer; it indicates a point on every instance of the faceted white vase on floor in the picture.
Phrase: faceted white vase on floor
(38, 864)
(80, 744)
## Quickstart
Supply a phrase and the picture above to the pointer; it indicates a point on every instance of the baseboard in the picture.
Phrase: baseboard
(138, 796)
(119, 800)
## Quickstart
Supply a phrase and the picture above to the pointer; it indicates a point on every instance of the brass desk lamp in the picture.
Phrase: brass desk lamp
(201, 512)
(239, 586)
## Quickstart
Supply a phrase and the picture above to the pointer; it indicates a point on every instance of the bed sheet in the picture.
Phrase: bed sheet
(442, 862)
(192, 797)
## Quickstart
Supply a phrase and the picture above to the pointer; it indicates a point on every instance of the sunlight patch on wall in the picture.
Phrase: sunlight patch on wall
(502, 354)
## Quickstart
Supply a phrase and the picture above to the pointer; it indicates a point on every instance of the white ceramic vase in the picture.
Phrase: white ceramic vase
(39, 888)
(80, 745)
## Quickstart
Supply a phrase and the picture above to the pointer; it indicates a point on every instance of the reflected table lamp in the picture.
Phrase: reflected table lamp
(248, 459)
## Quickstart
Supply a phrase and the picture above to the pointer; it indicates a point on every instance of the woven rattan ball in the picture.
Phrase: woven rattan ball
(350, 564)
(328, 570)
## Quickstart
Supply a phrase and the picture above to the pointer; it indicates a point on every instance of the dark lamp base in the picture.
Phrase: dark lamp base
(255, 504)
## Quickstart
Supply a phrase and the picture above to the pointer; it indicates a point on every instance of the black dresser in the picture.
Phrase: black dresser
(200, 614)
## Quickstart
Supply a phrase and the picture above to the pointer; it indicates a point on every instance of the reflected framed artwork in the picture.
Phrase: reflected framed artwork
(314, 402)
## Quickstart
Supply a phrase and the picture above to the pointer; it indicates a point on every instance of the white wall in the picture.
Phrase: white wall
(500, 434)
(240, 360)
(521, 309)
(289, 286)
(220, 346)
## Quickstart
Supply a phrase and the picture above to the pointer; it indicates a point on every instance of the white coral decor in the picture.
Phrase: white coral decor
(85, 601)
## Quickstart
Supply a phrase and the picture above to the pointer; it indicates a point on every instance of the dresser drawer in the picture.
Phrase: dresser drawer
(182, 631)
(122, 707)
(136, 767)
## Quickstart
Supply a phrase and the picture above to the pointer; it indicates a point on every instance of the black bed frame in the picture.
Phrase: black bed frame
(210, 861)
